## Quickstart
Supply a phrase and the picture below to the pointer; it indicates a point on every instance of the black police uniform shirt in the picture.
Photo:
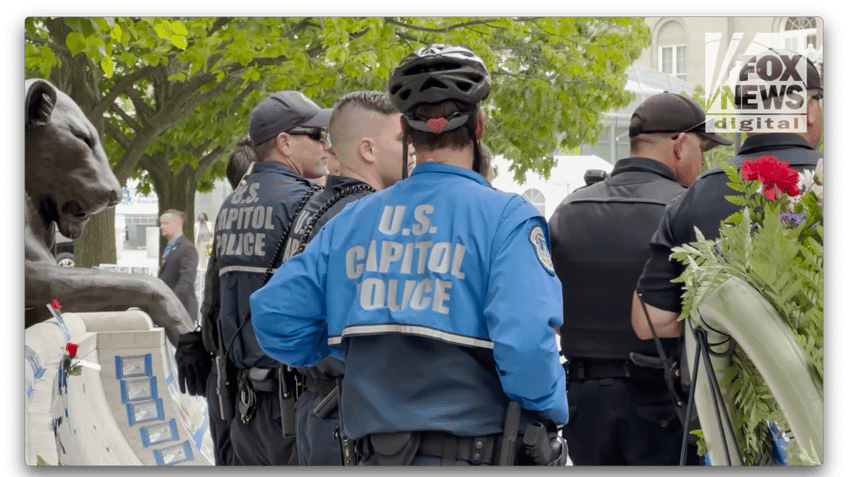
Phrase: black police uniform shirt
(337, 185)
(329, 368)
(705, 207)
(250, 226)
(599, 243)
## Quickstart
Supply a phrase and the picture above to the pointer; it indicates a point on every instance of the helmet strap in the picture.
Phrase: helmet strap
(478, 158)
(405, 157)
(474, 127)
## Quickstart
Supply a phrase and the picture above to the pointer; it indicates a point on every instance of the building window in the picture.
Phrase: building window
(142, 219)
(800, 23)
(135, 237)
(673, 60)
(535, 197)
(672, 39)
(799, 33)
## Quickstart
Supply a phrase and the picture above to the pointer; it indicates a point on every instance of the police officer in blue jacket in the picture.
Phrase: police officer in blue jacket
(417, 288)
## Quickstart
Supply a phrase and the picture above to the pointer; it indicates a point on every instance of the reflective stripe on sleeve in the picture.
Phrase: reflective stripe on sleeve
(410, 330)
(238, 268)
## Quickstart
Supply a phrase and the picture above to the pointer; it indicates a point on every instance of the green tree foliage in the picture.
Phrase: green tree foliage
(172, 94)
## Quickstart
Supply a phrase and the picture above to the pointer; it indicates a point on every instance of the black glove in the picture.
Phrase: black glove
(193, 364)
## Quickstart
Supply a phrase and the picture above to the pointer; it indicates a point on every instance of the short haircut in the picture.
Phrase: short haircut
(240, 159)
(262, 151)
(176, 213)
(373, 101)
(455, 139)
(642, 141)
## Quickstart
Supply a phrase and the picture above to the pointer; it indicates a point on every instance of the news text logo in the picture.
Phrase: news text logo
(753, 86)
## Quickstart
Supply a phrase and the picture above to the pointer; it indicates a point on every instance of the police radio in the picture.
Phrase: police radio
(594, 175)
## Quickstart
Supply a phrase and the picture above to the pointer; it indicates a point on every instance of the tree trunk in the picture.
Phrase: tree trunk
(174, 191)
(96, 244)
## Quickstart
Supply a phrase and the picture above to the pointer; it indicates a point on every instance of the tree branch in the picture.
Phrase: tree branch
(132, 123)
(189, 105)
(122, 84)
(209, 159)
(483, 21)
(142, 109)
(115, 133)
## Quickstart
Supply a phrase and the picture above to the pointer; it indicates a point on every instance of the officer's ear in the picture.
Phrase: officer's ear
(677, 141)
(365, 148)
(282, 143)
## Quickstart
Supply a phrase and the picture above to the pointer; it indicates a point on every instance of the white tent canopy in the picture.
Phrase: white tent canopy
(546, 194)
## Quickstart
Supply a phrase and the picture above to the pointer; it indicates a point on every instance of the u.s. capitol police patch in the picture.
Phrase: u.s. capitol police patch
(540, 245)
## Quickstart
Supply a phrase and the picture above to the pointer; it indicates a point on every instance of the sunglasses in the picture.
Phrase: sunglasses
(318, 134)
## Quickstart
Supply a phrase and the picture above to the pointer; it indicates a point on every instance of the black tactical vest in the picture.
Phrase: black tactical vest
(599, 243)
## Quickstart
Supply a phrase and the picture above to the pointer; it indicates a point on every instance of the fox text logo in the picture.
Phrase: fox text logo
(765, 91)
(773, 83)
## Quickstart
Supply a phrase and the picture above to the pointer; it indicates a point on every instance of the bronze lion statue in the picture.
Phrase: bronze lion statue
(67, 178)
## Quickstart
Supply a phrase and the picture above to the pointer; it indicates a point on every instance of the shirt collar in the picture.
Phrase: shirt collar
(341, 181)
(643, 164)
(438, 167)
(772, 141)
(173, 240)
(263, 166)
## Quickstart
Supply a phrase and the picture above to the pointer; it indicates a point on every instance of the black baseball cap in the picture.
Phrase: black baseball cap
(672, 113)
(283, 111)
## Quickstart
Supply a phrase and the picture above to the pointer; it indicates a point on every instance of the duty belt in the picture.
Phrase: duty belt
(250, 382)
(578, 369)
(319, 386)
(263, 379)
(481, 450)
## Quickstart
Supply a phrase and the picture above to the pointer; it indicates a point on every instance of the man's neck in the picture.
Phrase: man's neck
(284, 160)
(456, 157)
(366, 177)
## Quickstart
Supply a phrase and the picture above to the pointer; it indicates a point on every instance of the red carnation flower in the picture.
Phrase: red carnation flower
(772, 174)
(55, 304)
(72, 349)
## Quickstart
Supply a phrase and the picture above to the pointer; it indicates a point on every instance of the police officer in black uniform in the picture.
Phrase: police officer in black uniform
(621, 409)
(288, 136)
(195, 351)
(367, 141)
(704, 206)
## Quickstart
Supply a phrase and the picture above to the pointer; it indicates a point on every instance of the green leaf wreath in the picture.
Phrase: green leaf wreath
(775, 243)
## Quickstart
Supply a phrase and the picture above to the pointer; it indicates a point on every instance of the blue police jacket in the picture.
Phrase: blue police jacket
(249, 228)
(440, 257)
